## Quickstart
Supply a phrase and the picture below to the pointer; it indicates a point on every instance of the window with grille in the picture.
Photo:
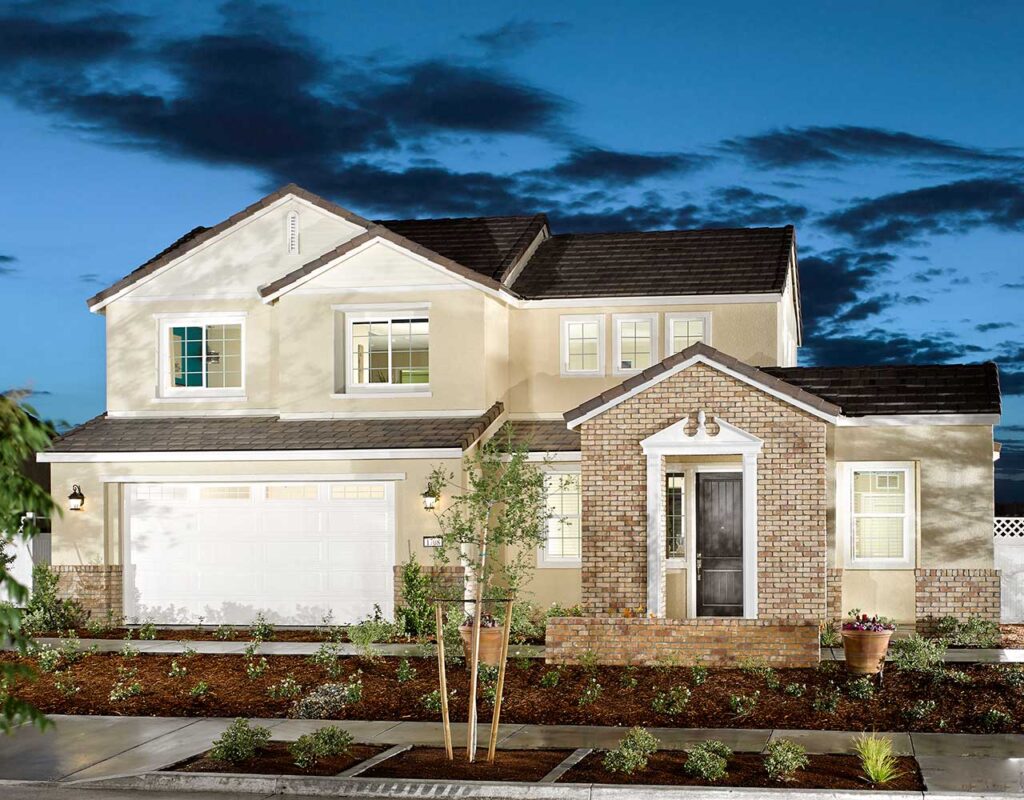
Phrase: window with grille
(686, 330)
(635, 342)
(877, 507)
(563, 536)
(203, 356)
(675, 516)
(389, 351)
(582, 345)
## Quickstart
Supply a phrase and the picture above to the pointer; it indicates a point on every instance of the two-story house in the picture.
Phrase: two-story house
(279, 387)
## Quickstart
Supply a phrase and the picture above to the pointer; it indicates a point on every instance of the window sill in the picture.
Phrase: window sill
(378, 395)
(582, 374)
(201, 398)
(865, 566)
(558, 563)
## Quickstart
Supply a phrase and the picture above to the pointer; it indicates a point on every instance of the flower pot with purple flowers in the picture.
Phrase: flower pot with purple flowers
(866, 641)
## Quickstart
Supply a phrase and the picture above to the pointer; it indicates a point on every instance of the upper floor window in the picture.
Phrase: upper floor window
(562, 547)
(683, 330)
(875, 513)
(389, 350)
(582, 345)
(636, 341)
(202, 356)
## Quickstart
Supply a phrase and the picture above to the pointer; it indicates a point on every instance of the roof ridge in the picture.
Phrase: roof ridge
(515, 252)
(459, 219)
(589, 234)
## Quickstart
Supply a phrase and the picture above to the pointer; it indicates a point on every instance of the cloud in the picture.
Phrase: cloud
(957, 207)
(515, 36)
(878, 346)
(994, 326)
(832, 285)
(841, 144)
(1010, 358)
(5, 265)
(597, 165)
(90, 277)
(28, 38)
(1012, 286)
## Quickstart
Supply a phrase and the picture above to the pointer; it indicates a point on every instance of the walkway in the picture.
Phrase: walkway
(83, 748)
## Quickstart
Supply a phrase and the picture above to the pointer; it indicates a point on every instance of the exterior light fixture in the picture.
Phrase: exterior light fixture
(429, 499)
(76, 499)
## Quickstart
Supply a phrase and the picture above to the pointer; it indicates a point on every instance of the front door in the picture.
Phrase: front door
(719, 544)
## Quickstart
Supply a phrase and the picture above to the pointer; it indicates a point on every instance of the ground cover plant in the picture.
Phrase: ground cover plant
(808, 698)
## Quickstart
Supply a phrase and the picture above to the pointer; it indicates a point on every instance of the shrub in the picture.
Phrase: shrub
(995, 720)
(327, 658)
(372, 630)
(48, 659)
(828, 635)
(1012, 676)
(416, 614)
(674, 701)
(71, 648)
(126, 684)
(240, 742)
(757, 667)
(698, 673)
(285, 689)
(920, 709)
(782, 758)
(201, 689)
(188, 651)
(971, 632)
(628, 679)
(310, 748)
(224, 633)
(743, 704)
(958, 677)
(432, 700)
(176, 670)
(549, 680)
(147, 631)
(97, 626)
(405, 672)
(66, 685)
(796, 689)
(588, 661)
(708, 760)
(327, 631)
(634, 749)
(876, 758)
(590, 694)
(45, 611)
(260, 629)
(917, 654)
(329, 699)
(826, 699)
(861, 688)
(127, 651)
(254, 668)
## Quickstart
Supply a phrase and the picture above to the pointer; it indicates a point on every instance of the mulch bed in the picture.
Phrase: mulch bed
(747, 769)
(959, 708)
(275, 759)
(431, 763)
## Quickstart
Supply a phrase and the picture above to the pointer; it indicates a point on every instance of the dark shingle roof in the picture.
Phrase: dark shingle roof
(547, 435)
(926, 389)
(728, 261)
(169, 434)
(488, 245)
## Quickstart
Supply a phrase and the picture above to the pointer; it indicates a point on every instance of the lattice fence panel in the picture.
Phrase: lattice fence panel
(1008, 527)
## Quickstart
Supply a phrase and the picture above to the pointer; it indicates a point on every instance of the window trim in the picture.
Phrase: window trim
(845, 471)
(544, 561)
(166, 390)
(564, 322)
(673, 318)
(382, 314)
(617, 320)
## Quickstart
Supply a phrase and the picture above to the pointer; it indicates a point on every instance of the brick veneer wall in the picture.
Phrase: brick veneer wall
(955, 593)
(719, 641)
(97, 588)
(834, 593)
(790, 494)
(447, 580)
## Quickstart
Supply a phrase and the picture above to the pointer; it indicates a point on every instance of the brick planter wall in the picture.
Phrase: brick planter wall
(97, 588)
(619, 640)
(834, 594)
(791, 473)
(956, 593)
(447, 579)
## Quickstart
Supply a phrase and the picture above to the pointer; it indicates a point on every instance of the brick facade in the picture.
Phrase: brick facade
(956, 593)
(791, 473)
(719, 641)
(97, 588)
(834, 594)
(447, 580)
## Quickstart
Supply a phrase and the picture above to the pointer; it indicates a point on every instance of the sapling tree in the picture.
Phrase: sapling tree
(492, 525)
(22, 502)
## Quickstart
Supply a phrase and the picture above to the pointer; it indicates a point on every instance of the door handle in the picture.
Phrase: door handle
(699, 564)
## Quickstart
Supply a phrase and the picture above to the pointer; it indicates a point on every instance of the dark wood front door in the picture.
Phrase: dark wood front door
(719, 544)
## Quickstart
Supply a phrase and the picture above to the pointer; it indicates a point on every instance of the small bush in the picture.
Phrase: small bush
(920, 709)
(416, 614)
(708, 760)
(795, 689)
(1012, 676)
(405, 672)
(826, 700)
(240, 742)
(783, 758)
(285, 689)
(201, 689)
(310, 748)
(698, 674)
(876, 758)
(176, 670)
(957, 677)
(757, 667)
(372, 630)
(45, 611)
(254, 668)
(590, 694)
(48, 659)
(261, 630)
(97, 626)
(550, 679)
(127, 651)
(188, 651)
(126, 684)
(147, 631)
(742, 705)
(432, 700)
(327, 700)
(995, 720)
(971, 632)
(588, 661)
(634, 749)
(861, 688)
(829, 636)
(672, 702)
(327, 657)
(224, 633)
(66, 685)
(628, 679)
(917, 654)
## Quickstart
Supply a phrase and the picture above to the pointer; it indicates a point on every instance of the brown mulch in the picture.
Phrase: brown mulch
(431, 763)
(1013, 635)
(232, 693)
(275, 759)
(747, 769)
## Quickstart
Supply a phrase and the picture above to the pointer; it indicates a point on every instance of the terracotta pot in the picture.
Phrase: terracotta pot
(490, 644)
(865, 651)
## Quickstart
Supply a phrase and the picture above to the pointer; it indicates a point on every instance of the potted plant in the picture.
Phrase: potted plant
(490, 639)
(866, 641)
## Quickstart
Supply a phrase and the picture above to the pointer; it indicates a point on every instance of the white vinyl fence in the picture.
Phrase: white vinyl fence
(1009, 557)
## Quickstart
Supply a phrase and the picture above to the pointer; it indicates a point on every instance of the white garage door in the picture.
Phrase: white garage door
(226, 552)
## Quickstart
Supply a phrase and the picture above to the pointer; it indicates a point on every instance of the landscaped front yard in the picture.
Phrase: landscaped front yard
(972, 698)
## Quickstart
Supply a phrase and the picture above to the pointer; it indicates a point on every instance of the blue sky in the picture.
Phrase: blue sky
(887, 133)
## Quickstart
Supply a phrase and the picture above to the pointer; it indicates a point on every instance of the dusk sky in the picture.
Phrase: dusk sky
(888, 133)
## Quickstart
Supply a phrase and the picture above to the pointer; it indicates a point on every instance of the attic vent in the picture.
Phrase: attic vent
(292, 233)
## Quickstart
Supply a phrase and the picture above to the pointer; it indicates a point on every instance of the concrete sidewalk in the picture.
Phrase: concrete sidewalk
(88, 748)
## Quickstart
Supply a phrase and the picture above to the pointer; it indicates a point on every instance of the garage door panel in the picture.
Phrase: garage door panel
(228, 552)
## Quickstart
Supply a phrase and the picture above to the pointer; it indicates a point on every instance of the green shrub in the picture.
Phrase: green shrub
(528, 623)
(698, 673)
(416, 614)
(372, 630)
(285, 689)
(432, 700)
(995, 720)
(672, 702)
(201, 689)
(628, 679)
(48, 659)
(591, 693)
(261, 630)
(1011, 675)
(45, 611)
(127, 651)
(971, 632)
(634, 749)
(405, 672)
(98, 626)
(708, 760)
(240, 742)
(224, 633)
(826, 699)
(176, 670)
(126, 684)
(782, 758)
(147, 631)
(877, 759)
(757, 667)
(254, 668)
(917, 654)
(550, 679)
(71, 648)
(328, 700)
(66, 685)
(829, 635)
(743, 705)
(589, 661)
(310, 748)
(795, 689)
(327, 657)
(920, 709)
(861, 688)
(957, 677)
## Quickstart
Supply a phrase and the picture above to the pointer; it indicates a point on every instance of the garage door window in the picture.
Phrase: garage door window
(357, 491)
(297, 491)
(225, 493)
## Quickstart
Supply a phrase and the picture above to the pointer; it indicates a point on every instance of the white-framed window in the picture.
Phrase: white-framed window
(583, 344)
(876, 513)
(202, 355)
(562, 547)
(683, 330)
(636, 342)
(387, 350)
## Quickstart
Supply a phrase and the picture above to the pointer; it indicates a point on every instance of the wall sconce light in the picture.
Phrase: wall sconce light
(429, 499)
(76, 499)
